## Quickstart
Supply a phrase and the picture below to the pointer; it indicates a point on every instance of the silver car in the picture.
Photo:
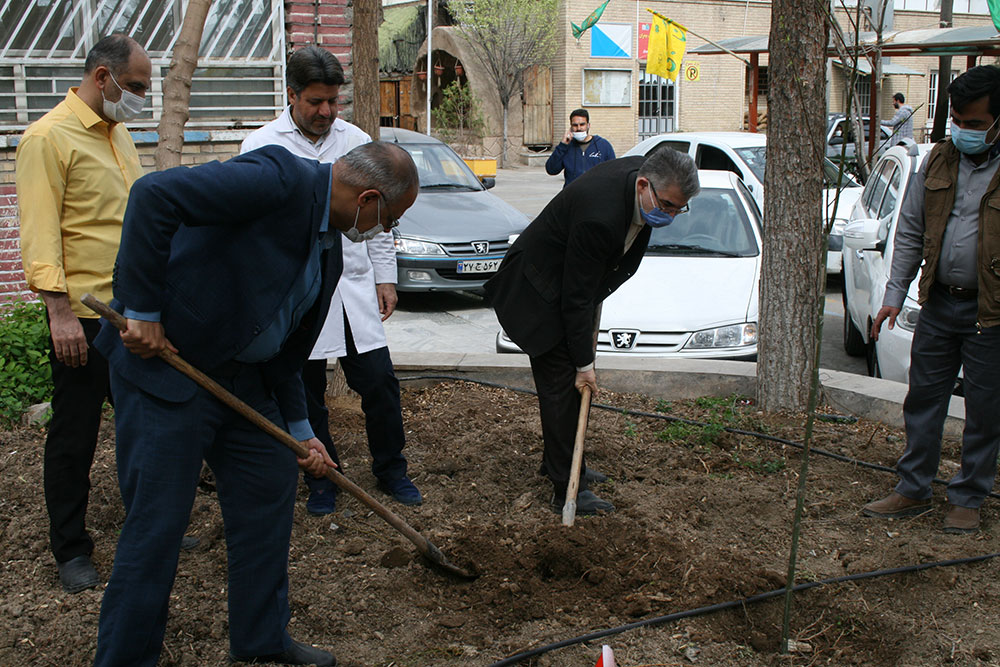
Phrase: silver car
(456, 233)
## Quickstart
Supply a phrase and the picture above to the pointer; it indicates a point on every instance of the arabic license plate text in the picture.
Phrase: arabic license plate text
(479, 265)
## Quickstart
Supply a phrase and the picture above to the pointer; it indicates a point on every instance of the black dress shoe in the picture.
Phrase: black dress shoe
(78, 574)
(587, 503)
(296, 654)
(594, 477)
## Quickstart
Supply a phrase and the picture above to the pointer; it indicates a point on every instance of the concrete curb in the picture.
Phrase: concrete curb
(672, 379)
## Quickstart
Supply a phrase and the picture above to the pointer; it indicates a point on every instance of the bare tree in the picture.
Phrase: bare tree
(177, 86)
(508, 37)
(793, 268)
(364, 65)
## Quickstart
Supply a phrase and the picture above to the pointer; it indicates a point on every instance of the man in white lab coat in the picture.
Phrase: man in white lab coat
(365, 296)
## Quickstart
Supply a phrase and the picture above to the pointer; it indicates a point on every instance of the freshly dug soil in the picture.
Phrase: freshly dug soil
(704, 516)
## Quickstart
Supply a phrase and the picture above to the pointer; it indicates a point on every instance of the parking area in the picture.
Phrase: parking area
(463, 322)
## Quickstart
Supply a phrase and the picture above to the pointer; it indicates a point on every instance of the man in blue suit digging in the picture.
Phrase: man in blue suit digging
(232, 265)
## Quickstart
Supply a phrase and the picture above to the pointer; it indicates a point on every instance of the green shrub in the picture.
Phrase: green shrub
(25, 376)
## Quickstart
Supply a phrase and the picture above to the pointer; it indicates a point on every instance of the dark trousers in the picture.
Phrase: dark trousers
(946, 339)
(77, 398)
(160, 448)
(559, 406)
(371, 375)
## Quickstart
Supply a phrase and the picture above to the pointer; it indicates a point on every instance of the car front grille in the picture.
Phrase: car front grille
(465, 249)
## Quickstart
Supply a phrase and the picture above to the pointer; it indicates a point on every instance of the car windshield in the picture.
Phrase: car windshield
(440, 168)
(755, 157)
(832, 174)
(717, 224)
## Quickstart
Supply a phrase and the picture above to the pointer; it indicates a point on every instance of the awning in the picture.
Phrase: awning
(888, 69)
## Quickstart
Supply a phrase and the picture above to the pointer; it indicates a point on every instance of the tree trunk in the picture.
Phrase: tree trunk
(793, 269)
(364, 56)
(177, 86)
(503, 143)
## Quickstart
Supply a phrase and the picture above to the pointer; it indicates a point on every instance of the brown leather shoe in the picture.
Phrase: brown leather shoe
(895, 506)
(961, 520)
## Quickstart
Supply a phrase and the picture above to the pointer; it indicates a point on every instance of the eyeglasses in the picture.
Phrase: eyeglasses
(666, 205)
(392, 222)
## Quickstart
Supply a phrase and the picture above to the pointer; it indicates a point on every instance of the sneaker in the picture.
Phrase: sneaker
(587, 503)
(78, 574)
(402, 490)
(322, 502)
(961, 520)
(895, 506)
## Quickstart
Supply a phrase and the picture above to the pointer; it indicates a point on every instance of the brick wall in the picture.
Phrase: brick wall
(326, 23)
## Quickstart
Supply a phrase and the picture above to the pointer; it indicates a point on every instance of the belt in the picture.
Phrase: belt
(958, 292)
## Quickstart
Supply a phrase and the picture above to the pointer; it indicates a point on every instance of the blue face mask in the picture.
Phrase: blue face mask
(970, 142)
(655, 217)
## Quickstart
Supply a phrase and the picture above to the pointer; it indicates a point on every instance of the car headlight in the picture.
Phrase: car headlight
(407, 246)
(734, 335)
(907, 318)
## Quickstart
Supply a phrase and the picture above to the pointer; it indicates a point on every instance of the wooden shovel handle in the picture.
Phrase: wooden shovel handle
(419, 541)
(569, 509)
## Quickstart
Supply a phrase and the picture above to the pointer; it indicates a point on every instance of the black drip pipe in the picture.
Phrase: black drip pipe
(734, 603)
(700, 611)
(657, 415)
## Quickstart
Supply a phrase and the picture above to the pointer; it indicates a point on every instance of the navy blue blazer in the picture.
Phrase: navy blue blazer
(215, 249)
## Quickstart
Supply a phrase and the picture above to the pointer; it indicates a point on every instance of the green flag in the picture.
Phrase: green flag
(995, 12)
(595, 16)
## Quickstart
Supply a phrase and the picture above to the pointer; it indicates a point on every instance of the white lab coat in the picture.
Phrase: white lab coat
(365, 263)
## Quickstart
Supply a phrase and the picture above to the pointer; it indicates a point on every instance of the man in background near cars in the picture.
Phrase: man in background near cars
(902, 121)
(364, 298)
(586, 242)
(948, 225)
(75, 166)
(579, 150)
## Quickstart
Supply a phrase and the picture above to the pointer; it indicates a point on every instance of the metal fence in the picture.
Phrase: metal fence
(43, 44)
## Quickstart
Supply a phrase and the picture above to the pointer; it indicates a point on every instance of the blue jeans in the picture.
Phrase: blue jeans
(946, 339)
(160, 447)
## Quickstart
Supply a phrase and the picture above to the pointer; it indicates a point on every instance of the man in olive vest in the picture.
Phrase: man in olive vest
(950, 223)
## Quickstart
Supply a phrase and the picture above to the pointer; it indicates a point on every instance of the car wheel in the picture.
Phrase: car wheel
(854, 342)
(871, 360)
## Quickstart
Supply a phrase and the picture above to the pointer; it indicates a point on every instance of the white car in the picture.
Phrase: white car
(868, 247)
(745, 154)
(695, 294)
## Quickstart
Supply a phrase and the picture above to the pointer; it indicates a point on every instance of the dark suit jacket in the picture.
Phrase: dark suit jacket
(568, 260)
(215, 249)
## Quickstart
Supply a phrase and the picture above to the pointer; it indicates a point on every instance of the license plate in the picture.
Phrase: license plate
(479, 265)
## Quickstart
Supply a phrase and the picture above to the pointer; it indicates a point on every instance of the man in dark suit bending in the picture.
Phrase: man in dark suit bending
(231, 264)
(586, 242)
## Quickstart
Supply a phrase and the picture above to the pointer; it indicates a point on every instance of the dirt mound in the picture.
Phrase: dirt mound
(704, 517)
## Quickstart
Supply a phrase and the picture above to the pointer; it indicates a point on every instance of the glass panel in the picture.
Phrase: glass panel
(45, 16)
(717, 223)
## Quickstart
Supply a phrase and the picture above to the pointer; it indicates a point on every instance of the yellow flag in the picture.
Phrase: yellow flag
(667, 41)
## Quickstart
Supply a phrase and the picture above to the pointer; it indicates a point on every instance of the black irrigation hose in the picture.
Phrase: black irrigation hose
(734, 603)
(690, 613)
(657, 415)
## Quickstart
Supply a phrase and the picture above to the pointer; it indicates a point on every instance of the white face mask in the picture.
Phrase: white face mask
(128, 107)
(355, 235)
(579, 136)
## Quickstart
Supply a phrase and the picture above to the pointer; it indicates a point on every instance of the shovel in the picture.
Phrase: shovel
(423, 545)
(569, 508)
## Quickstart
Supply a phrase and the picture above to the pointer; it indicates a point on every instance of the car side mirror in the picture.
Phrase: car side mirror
(488, 182)
(862, 234)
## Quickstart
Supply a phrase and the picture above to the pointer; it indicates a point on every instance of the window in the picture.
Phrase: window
(932, 92)
(657, 105)
(607, 87)
(43, 44)
(762, 82)
(863, 93)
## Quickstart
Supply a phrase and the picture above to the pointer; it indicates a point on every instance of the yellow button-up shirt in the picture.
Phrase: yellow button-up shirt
(73, 175)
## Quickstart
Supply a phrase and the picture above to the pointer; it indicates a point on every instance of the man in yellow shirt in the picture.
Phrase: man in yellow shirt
(74, 168)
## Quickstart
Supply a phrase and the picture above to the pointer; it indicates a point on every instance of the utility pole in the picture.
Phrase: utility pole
(944, 78)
